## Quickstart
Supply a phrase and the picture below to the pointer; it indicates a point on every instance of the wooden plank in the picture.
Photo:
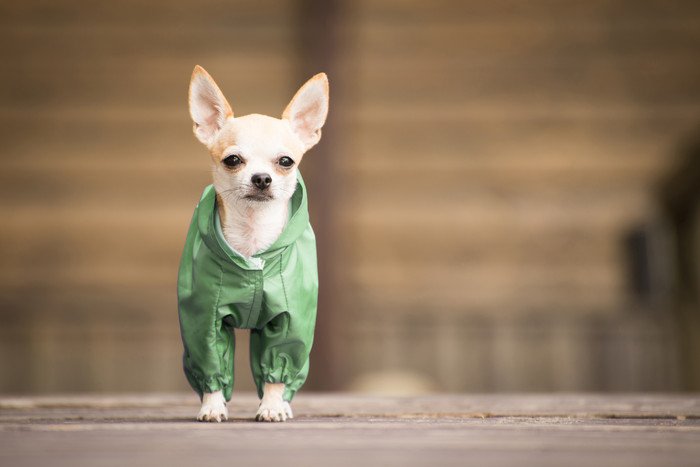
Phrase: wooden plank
(205, 13)
(604, 406)
(467, 214)
(537, 11)
(510, 110)
(604, 87)
(538, 142)
(636, 430)
(513, 286)
(147, 185)
(393, 243)
(150, 83)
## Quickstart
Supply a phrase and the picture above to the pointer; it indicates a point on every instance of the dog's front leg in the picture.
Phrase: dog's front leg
(273, 408)
(213, 407)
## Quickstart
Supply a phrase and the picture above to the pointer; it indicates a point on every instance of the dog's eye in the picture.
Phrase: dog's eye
(285, 161)
(232, 161)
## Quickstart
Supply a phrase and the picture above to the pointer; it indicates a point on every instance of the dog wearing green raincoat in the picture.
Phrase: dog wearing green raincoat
(249, 260)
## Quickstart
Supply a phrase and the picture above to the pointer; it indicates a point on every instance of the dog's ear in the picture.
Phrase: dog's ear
(308, 109)
(208, 106)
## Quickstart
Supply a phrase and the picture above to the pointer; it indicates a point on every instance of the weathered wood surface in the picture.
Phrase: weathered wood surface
(341, 429)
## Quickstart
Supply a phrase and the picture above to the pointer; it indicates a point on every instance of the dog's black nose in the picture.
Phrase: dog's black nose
(261, 181)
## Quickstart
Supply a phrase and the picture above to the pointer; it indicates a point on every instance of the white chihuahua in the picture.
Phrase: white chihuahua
(250, 260)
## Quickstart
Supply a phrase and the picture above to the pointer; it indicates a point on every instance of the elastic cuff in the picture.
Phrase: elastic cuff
(276, 378)
(212, 384)
(209, 385)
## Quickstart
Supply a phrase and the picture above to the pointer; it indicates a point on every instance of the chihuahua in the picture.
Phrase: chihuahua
(249, 260)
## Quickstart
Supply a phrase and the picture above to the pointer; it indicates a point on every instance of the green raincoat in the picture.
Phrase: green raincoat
(274, 294)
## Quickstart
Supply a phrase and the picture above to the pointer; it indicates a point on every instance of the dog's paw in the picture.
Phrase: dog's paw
(213, 408)
(274, 411)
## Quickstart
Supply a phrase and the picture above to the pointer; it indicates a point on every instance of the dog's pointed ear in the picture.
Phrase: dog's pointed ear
(308, 109)
(208, 106)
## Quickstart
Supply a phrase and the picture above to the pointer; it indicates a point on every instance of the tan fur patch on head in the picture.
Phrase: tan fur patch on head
(308, 109)
(209, 108)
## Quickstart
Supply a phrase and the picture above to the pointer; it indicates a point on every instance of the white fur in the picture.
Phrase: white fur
(251, 226)
(213, 408)
(273, 408)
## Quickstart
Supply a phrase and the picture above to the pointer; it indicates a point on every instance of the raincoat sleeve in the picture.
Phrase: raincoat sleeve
(279, 351)
(280, 354)
(208, 341)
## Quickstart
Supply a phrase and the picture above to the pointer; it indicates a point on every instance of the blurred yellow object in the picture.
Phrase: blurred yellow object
(394, 383)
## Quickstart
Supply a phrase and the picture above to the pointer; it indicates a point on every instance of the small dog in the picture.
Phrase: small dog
(250, 256)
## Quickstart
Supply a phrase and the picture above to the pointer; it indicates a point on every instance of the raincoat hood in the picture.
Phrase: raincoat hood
(297, 223)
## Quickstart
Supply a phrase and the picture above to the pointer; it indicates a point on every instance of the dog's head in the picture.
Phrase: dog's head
(255, 157)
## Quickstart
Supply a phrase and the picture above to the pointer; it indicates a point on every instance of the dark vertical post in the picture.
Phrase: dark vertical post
(680, 195)
(318, 37)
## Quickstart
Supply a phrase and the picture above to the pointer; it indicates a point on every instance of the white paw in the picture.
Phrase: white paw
(213, 408)
(274, 411)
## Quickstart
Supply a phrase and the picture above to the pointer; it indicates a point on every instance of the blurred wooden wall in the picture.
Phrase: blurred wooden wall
(101, 172)
(500, 153)
(488, 158)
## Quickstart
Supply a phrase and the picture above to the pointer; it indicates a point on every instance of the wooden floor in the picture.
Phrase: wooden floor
(352, 430)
